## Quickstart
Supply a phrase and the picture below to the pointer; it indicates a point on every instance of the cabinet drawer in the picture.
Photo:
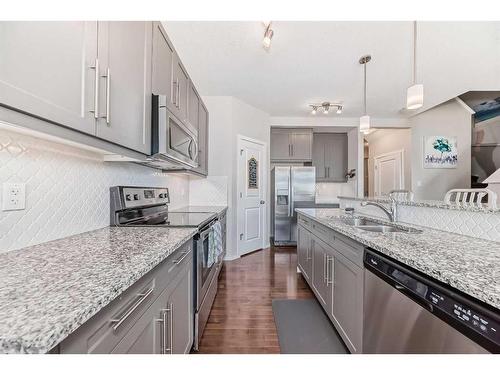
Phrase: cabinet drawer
(103, 331)
(108, 327)
(323, 232)
(305, 222)
(348, 248)
(174, 264)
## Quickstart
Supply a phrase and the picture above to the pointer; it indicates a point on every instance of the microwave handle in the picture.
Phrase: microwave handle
(191, 152)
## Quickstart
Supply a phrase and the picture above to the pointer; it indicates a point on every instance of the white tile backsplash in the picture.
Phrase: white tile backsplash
(67, 188)
(475, 224)
(209, 191)
(327, 192)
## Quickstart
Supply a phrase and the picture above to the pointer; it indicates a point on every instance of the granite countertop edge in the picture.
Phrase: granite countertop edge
(425, 203)
(449, 277)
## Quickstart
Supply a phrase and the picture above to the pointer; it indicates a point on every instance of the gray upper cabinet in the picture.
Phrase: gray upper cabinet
(163, 55)
(46, 71)
(180, 90)
(203, 131)
(291, 144)
(124, 50)
(330, 156)
(193, 107)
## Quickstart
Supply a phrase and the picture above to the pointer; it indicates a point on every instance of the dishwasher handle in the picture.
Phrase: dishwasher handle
(397, 277)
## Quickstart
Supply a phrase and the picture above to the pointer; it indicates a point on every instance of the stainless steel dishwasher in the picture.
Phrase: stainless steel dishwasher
(406, 312)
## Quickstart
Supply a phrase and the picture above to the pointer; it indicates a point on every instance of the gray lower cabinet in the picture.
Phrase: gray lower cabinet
(322, 279)
(167, 326)
(304, 252)
(291, 144)
(347, 306)
(154, 315)
(335, 276)
(124, 50)
(330, 156)
(46, 70)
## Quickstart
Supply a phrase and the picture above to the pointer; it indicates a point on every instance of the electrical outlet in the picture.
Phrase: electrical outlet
(14, 196)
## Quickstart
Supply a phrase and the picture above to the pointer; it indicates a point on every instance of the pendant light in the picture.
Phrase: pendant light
(415, 93)
(364, 121)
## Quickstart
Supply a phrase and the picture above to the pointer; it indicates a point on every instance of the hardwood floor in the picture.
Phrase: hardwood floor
(241, 320)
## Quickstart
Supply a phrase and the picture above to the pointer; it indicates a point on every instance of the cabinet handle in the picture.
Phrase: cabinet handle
(170, 310)
(292, 149)
(108, 93)
(325, 268)
(329, 278)
(328, 172)
(179, 260)
(141, 297)
(96, 89)
(174, 92)
(289, 150)
(177, 101)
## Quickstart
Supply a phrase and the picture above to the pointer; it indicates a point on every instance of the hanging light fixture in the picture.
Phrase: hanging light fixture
(268, 35)
(415, 93)
(314, 110)
(364, 121)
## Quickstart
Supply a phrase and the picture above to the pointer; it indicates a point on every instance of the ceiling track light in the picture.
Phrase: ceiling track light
(325, 107)
(268, 35)
(415, 93)
(364, 121)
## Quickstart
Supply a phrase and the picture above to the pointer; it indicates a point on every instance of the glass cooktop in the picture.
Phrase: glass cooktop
(175, 219)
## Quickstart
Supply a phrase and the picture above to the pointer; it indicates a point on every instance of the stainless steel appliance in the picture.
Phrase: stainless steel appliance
(146, 206)
(174, 143)
(407, 312)
(291, 188)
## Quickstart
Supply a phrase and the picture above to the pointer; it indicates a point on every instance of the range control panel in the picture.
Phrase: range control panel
(467, 316)
(135, 197)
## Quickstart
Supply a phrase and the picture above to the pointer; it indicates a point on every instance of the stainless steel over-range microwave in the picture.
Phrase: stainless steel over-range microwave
(173, 141)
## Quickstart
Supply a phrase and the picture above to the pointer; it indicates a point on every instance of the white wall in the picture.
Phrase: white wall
(67, 189)
(448, 119)
(383, 141)
(230, 117)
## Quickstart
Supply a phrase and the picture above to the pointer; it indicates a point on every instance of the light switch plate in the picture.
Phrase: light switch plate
(14, 196)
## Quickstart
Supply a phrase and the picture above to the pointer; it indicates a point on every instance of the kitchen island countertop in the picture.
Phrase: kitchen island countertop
(468, 264)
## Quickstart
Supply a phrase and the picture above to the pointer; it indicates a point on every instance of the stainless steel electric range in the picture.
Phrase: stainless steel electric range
(148, 206)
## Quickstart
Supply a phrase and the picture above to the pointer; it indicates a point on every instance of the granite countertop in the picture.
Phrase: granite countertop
(49, 290)
(468, 264)
(424, 203)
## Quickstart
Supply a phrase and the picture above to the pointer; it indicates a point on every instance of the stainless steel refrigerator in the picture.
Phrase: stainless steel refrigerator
(291, 188)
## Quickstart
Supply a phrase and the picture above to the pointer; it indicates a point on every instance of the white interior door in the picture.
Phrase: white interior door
(252, 172)
(388, 173)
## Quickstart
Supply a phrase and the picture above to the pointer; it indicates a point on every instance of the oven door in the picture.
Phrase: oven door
(171, 138)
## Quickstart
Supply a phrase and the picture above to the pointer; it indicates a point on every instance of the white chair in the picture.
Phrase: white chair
(401, 195)
(471, 198)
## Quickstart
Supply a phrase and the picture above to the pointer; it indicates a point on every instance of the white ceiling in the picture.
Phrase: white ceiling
(316, 61)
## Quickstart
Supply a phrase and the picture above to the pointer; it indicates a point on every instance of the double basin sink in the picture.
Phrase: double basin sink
(374, 226)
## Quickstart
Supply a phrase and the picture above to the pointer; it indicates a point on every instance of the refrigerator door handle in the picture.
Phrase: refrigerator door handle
(290, 201)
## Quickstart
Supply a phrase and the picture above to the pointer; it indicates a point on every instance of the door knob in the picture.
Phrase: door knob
(262, 202)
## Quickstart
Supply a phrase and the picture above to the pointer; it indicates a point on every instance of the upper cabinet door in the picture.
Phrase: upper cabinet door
(193, 106)
(124, 50)
(281, 148)
(180, 90)
(202, 140)
(336, 157)
(46, 70)
(318, 156)
(301, 145)
(163, 55)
